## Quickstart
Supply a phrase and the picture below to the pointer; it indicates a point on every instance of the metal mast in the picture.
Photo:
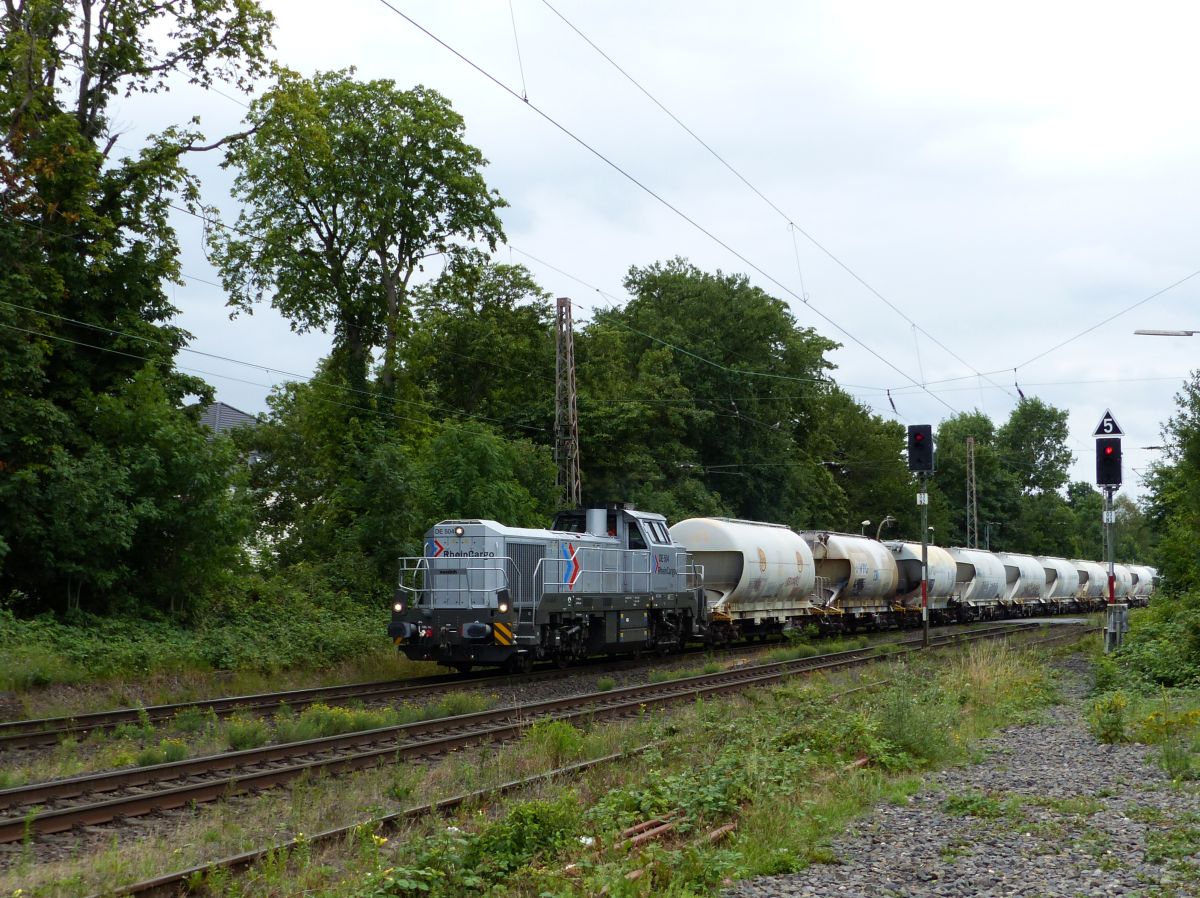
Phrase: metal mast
(566, 411)
(972, 501)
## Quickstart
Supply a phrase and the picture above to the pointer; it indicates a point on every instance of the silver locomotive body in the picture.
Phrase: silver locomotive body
(607, 580)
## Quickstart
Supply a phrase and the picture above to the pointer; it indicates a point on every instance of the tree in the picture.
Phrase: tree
(1174, 501)
(483, 343)
(703, 379)
(96, 450)
(347, 187)
(1033, 443)
(863, 453)
(996, 488)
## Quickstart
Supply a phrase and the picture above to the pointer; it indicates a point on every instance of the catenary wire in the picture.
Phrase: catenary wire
(792, 226)
(650, 192)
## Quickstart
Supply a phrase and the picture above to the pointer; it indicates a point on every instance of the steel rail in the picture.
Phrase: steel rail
(171, 883)
(33, 732)
(439, 736)
(38, 793)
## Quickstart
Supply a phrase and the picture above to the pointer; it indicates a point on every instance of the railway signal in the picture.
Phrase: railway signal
(920, 448)
(1108, 435)
(1108, 461)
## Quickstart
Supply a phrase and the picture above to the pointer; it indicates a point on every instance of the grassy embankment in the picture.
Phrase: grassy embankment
(1149, 691)
(50, 666)
(788, 766)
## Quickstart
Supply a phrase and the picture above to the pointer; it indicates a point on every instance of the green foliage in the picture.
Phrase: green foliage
(277, 623)
(110, 495)
(1107, 717)
(1174, 505)
(373, 179)
(973, 804)
(1162, 646)
(919, 724)
(320, 720)
(246, 732)
(165, 752)
(676, 421)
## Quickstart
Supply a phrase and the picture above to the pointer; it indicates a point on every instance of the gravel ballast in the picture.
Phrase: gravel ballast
(1049, 812)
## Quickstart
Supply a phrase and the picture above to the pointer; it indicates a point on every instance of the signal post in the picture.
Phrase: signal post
(1108, 477)
(920, 461)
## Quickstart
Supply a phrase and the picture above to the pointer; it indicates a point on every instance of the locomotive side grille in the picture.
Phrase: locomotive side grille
(526, 587)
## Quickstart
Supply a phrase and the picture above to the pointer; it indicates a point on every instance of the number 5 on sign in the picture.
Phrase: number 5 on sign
(1108, 426)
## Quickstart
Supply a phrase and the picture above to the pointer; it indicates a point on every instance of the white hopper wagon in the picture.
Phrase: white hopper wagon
(758, 578)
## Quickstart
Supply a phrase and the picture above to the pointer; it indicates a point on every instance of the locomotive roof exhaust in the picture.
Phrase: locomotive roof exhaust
(597, 521)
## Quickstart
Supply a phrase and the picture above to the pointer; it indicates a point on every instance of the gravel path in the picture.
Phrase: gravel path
(1049, 812)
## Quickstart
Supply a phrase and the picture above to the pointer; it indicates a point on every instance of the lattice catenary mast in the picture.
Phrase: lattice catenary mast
(972, 500)
(566, 411)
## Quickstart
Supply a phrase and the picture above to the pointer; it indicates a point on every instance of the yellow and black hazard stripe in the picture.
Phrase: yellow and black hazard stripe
(503, 633)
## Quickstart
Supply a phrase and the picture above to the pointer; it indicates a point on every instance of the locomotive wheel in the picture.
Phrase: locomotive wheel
(463, 666)
(522, 663)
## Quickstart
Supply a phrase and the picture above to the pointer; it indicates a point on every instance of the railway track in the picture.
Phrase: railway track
(172, 883)
(32, 733)
(61, 805)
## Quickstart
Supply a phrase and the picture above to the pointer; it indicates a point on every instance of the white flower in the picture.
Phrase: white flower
(587, 840)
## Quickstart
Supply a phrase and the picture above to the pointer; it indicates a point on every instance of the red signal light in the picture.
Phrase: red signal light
(1108, 450)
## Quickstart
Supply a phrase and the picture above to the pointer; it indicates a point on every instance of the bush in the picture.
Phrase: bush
(320, 720)
(166, 752)
(556, 739)
(1107, 718)
(246, 732)
(289, 620)
(917, 724)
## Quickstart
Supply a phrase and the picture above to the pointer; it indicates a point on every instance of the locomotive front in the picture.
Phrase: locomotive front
(486, 594)
(455, 603)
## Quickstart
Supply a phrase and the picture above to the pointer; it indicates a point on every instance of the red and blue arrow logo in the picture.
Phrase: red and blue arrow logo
(572, 567)
(434, 549)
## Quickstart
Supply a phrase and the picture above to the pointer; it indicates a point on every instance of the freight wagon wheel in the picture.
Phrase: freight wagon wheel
(463, 666)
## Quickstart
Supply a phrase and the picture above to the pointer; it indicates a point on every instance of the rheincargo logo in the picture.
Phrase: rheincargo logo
(434, 549)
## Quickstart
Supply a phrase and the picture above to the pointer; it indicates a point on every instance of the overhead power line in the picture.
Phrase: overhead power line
(650, 192)
(792, 226)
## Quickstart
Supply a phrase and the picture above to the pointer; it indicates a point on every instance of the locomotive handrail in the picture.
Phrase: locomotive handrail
(413, 565)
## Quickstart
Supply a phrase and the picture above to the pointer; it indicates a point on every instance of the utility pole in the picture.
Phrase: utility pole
(972, 500)
(566, 410)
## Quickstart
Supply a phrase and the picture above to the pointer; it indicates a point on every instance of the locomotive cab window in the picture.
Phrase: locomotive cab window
(658, 533)
(636, 540)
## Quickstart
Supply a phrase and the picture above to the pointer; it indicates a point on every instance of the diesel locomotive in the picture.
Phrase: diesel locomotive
(615, 579)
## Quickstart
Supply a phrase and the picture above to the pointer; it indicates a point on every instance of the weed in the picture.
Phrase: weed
(166, 752)
(194, 720)
(1107, 718)
(246, 732)
(919, 724)
(604, 684)
(973, 804)
(457, 703)
(320, 720)
(556, 739)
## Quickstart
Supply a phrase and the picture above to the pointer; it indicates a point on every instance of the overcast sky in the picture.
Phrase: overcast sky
(1005, 177)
